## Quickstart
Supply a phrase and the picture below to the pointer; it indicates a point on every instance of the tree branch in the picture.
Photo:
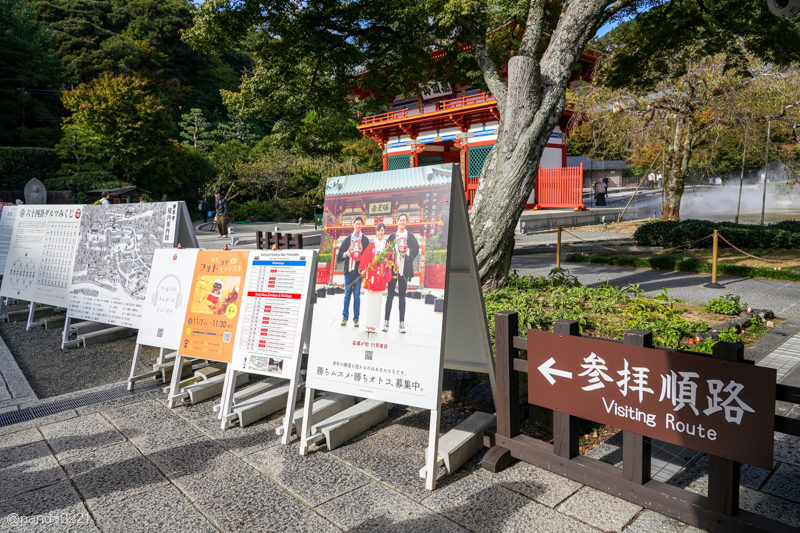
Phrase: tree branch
(533, 29)
(476, 37)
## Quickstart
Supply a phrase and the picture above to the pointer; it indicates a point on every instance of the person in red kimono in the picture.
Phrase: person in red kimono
(376, 276)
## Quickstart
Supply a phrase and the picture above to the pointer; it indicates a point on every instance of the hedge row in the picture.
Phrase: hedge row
(685, 264)
(669, 234)
(18, 165)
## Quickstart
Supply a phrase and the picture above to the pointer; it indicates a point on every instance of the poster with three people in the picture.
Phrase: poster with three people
(377, 332)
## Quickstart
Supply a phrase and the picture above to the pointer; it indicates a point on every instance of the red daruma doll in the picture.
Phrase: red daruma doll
(402, 245)
(215, 295)
(356, 249)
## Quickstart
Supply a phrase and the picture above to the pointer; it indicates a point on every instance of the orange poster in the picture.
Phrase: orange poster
(209, 329)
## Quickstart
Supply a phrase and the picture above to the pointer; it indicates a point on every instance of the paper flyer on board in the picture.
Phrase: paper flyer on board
(378, 331)
(7, 218)
(164, 307)
(273, 311)
(215, 300)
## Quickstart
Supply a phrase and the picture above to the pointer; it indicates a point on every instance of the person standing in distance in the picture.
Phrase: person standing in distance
(221, 207)
(406, 249)
(104, 198)
(350, 252)
(204, 209)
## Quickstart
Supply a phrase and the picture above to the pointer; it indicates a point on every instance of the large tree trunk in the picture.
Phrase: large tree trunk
(529, 111)
(679, 154)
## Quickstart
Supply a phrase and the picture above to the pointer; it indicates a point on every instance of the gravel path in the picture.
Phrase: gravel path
(782, 297)
(52, 372)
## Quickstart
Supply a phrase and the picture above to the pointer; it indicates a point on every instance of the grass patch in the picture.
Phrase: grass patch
(685, 263)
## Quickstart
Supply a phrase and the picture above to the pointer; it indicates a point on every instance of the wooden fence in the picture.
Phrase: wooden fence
(265, 240)
(559, 188)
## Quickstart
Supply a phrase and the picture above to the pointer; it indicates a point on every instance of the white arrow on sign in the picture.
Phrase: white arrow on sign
(548, 372)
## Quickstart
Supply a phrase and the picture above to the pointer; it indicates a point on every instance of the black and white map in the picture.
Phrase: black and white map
(111, 269)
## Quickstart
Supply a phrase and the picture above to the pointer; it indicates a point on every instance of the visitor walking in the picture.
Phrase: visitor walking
(204, 209)
(600, 193)
(221, 208)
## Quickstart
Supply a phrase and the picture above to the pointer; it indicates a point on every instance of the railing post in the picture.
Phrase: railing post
(259, 236)
(558, 249)
(565, 427)
(506, 326)
(636, 448)
(723, 474)
(714, 258)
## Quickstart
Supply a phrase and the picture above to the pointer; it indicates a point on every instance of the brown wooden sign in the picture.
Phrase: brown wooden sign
(723, 408)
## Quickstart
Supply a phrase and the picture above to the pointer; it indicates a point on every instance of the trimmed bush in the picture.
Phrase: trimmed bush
(18, 165)
(260, 211)
(684, 264)
(669, 234)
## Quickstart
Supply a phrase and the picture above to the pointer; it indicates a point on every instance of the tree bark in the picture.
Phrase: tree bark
(674, 180)
(741, 183)
(529, 111)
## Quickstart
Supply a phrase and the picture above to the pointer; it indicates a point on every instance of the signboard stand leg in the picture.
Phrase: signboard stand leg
(226, 402)
(2, 316)
(174, 393)
(305, 433)
(31, 311)
(432, 461)
(133, 378)
(161, 359)
(286, 430)
(65, 335)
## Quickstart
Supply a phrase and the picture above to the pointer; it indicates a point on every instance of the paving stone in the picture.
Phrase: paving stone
(259, 505)
(377, 508)
(8, 409)
(787, 449)
(239, 441)
(394, 463)
(652, 522)
(539, 485)
(695, 479)
(609, 451)
(21, 438)
(315, 479)
(80, 435)
(770, 506)
(112, 474)
(37, 422)
(162, 509)
(201, 467)
(599, 509)
(36, 468)
(412, 426)
(20, 454)
(479, 504)
(784, 483)
(59, 504)
(150, 426)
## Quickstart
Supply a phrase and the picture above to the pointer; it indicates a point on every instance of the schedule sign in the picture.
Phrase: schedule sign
(720, 407)
(212, 313)
(274, 305)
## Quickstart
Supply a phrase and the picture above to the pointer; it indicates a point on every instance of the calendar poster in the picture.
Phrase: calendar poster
(41, 253)
(164, 306)
(215, 300)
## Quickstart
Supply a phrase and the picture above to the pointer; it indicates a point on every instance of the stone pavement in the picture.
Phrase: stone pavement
(134, 465)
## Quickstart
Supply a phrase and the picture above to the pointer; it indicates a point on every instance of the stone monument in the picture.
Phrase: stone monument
(35, 193)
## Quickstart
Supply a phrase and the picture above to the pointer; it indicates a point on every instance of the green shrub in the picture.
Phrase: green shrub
(261, 211)
(435, 257)
(82, 182)
(669, 234)
(724, 305)
(684, 264)
(18, 165)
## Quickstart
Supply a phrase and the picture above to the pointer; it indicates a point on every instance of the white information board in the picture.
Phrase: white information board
(7, 218)
(164, 307)
(276, 294)
(41, 252)
(115, 250)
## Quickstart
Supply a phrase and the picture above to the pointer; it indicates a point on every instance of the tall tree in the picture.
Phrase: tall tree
(127, 127)
(27, 65)
(195, 129)
(309, 56)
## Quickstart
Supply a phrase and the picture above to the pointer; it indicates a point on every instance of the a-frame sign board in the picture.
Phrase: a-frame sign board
(382, 365)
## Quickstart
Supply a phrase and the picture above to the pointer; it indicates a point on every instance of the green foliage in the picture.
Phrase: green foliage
(725, 305)
(684, 264)
(435, 257)
(127, 128)
(194, 129)
(669, 234)
(28, 62)
(259, 210)
(84, 181)
(19, 165)
(604, 311)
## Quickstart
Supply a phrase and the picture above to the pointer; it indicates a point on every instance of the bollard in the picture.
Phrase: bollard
(714, 256)
(558, 249)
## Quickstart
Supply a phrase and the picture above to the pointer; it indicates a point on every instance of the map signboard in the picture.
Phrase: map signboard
(719, 407)
(164, 307)
(7, 218)
(274, 307)
(41, 252)
(214, 304)
(114, 253)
